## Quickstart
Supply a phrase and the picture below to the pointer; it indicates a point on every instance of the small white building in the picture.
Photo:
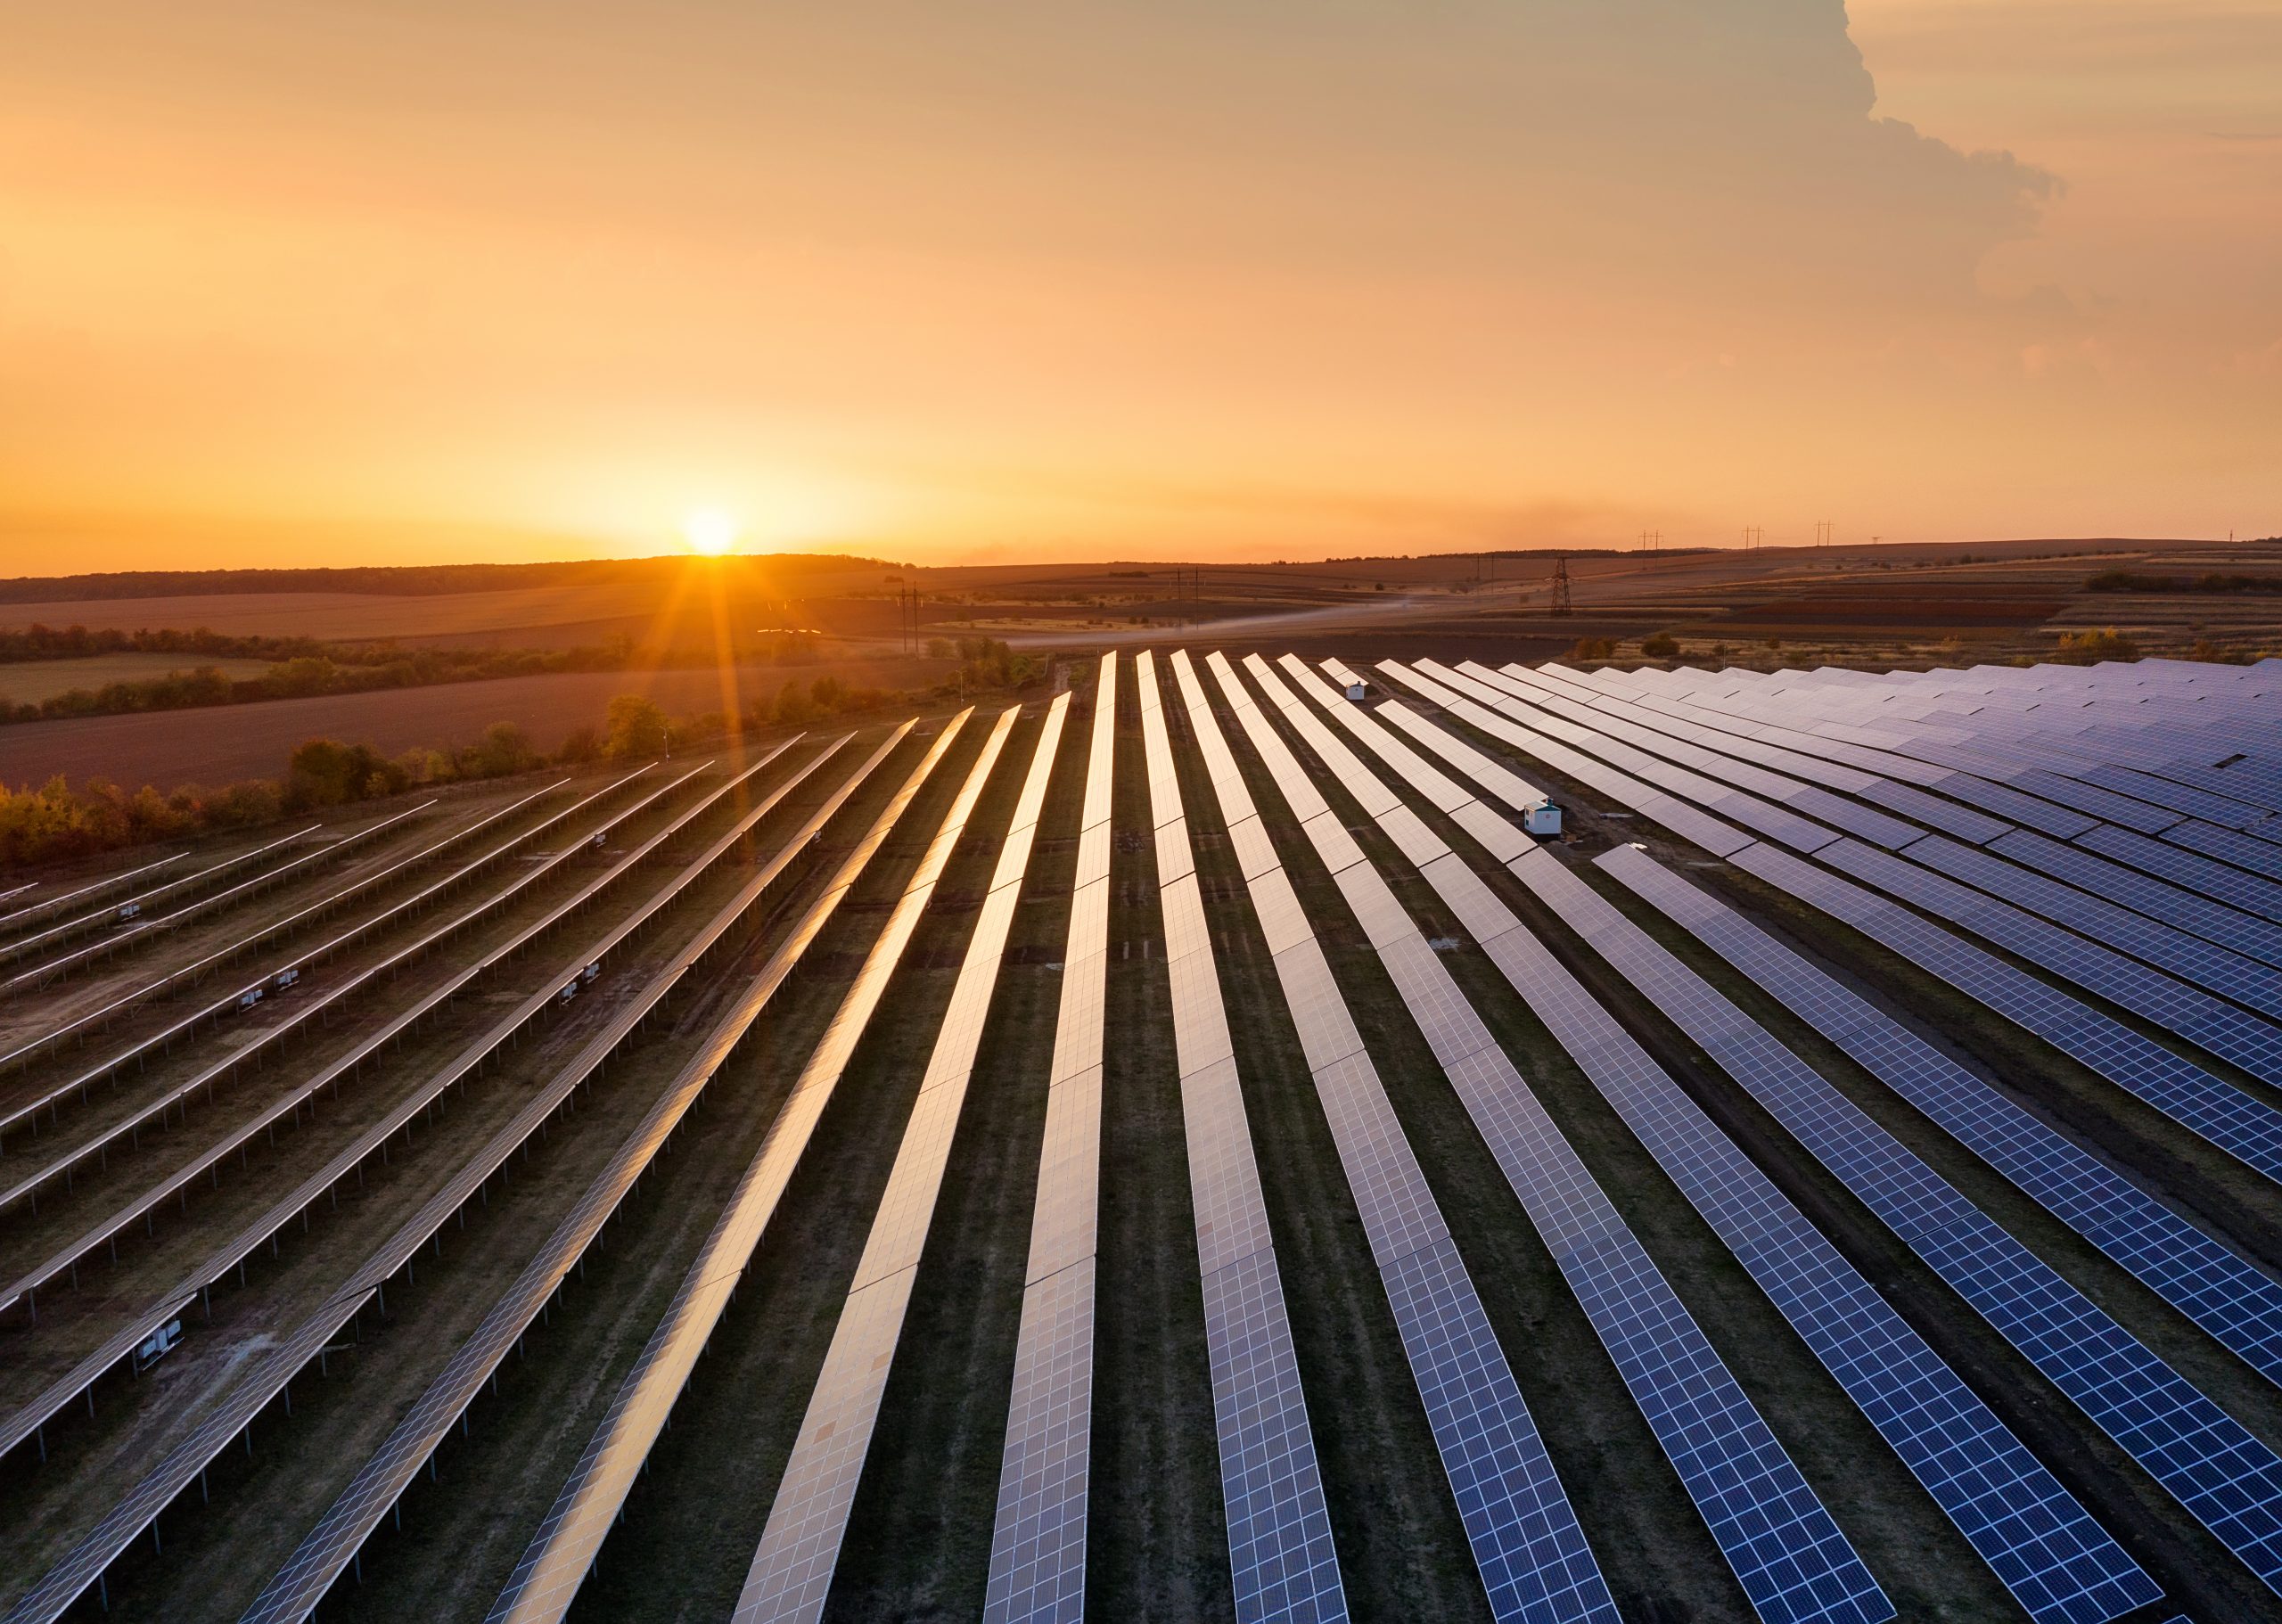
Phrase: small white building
(1358, 691)
(1542, 820)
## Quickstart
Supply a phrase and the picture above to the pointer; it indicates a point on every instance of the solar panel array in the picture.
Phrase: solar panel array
(1527, 1548)
(1789, 1556)
(331, 1544)
(28, 1421)
(305, 1011)
(111, 1009)
(2221, 1112)
(2091, 853)
(799, 1551)
(562, 1551)
(2169, 1082)
(1281, 1557)
(1037, 1545)
(2229, 1298)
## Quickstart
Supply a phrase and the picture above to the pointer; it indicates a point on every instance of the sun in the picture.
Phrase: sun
(710, 531)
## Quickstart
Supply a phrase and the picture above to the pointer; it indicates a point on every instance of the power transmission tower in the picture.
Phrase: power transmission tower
(1559, 607)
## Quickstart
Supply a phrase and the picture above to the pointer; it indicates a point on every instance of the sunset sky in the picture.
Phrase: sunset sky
(333, 281)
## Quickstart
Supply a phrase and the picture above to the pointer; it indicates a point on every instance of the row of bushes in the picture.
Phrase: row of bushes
(2082, 648)
(2132, 580)
(303, 667)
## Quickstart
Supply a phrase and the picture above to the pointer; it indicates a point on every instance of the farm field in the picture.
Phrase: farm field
(222, 744)
(28, 682)
(1196, 999)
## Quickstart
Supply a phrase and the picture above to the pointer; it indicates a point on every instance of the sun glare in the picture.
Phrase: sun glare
(709, 532)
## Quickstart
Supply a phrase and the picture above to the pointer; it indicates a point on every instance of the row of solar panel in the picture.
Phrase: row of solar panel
(1282, 1562)
(1037, 1545)
(562, 1550)
(306, 1011)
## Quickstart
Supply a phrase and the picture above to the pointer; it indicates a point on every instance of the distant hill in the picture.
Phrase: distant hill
(415, 580)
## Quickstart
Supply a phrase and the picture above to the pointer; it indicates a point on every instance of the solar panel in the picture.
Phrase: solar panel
(1038, 1544)
(1532, 1556)
(562, 1550)
(2243, 850)
(1789, 1556)
(305, 1011)
(1281, 1559)
(2226, 1032)
(2239, 1307)
(2181, 1090)
(2252, 893)
(32, 1417)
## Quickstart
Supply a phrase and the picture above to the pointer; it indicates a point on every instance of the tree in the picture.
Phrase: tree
(794, 708)
(505, 749)
(1663, 645)
(634, 728)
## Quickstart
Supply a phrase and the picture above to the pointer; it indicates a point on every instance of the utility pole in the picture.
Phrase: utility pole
(1560, 605)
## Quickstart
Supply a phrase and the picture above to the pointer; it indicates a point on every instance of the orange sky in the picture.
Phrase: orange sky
(365, 282)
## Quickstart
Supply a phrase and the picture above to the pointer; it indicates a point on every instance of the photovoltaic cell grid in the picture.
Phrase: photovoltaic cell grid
(2230, 1118)
(2171, 1083)
(2059, 1564)
(799, 1551)
(2227, 1032)
(2217, 969)
(2252, 893)
(1788, 1555)
(2227, 1296)
(27, 1420)
(114, 1007)
(562, 1550)
(1532, 1555)
(1038, 1547)
(287, 1106)
(316, 1563)
(1281, 1557)
(2213, 921)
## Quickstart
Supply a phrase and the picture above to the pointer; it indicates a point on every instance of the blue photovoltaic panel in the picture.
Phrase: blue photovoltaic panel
(2227, 1032)
(2227, 1296)
(2060, 1565)
(2214, 968)
(1527, 1546)
(2252, 893)
(2218, 1111)
(2243, 850)
(1038, 1546)
(1281, 1558)
(2213, 921)
(2180, 797)
(1790, 1557)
